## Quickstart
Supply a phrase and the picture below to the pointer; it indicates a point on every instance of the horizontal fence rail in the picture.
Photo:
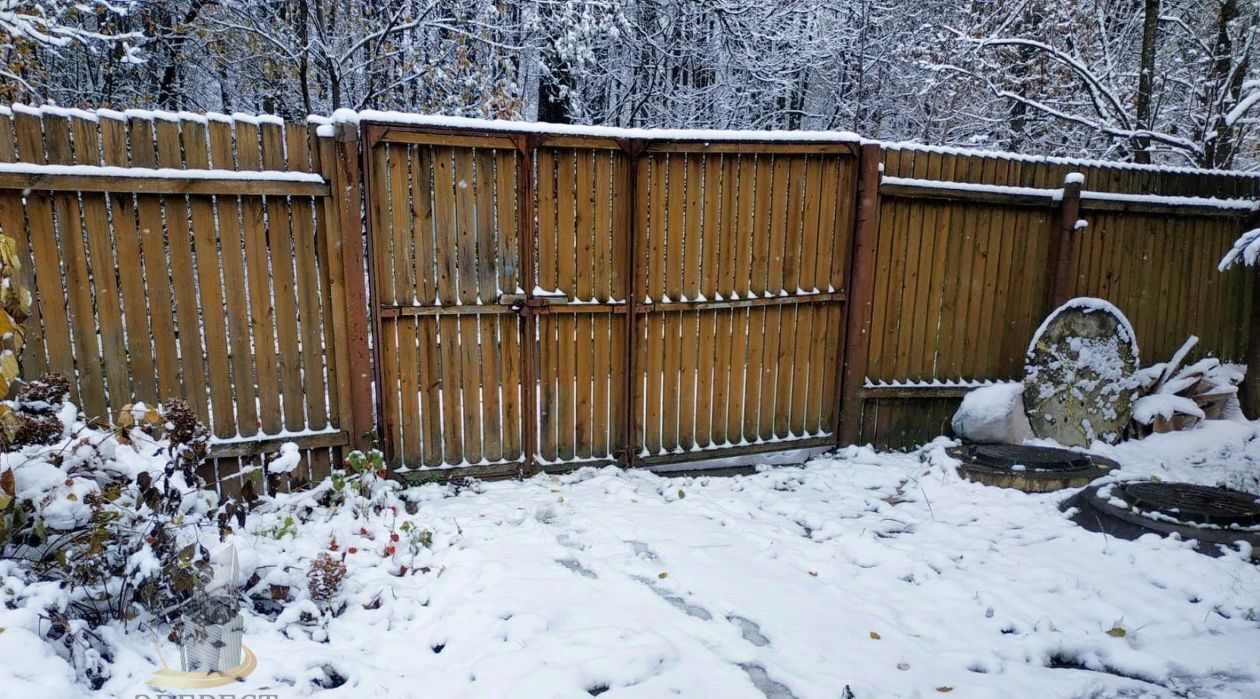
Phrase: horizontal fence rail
(485, 298)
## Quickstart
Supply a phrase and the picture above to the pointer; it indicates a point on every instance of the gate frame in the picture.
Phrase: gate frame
(526, 142)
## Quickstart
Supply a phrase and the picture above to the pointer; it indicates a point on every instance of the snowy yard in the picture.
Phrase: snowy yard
(882, 573)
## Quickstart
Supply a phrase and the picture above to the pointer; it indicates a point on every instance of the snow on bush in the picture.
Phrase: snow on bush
(100, 526)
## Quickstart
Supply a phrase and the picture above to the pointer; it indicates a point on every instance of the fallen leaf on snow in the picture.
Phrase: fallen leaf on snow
(874, 636)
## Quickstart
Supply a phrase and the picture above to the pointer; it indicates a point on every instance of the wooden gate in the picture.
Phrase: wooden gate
(543, 301)
(741, 257)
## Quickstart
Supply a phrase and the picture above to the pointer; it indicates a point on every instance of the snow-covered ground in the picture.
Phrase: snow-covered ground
(881, 573)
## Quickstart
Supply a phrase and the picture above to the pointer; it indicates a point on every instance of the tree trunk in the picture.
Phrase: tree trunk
(304, 64)
(1146, 80)
(1219, 144)
(553, 105)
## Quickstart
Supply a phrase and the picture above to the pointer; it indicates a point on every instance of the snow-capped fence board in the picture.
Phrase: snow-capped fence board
(178, 256)
(971, 250)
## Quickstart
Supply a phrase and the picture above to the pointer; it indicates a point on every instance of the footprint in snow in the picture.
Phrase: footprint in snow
(767, 685)
(642, 550)
(750, 630)
(577, 568)
(677, 602)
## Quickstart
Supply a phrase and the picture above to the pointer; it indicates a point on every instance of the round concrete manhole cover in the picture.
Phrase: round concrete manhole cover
(1207, 514)
(1079, 382)
(1028, 468)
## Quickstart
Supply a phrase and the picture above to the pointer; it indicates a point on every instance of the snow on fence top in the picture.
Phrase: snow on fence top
(1058, 160)
(1056, 194)
(349, 116)
(1212, 202)
(145, 114)
(158, 173)
(325, 125)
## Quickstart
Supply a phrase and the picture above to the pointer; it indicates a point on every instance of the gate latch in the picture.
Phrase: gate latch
(516, 302)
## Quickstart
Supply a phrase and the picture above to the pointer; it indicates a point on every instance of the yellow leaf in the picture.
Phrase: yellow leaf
(153, 417)
(8, 252)
(7, 325)
(4, 501)
(9, 422)
(874, 636)
(9, 368)
(662, 576)
(1117, 632)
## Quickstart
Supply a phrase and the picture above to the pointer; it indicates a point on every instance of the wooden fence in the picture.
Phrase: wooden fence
(966, 253)
(500, 301)
(184, 256)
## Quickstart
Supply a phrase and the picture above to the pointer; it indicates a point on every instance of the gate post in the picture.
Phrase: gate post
(1069, 213)
(861, 280)
(341, 170)
(526, 254)
(633, 150)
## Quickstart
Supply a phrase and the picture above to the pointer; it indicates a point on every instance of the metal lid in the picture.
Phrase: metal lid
(1199, 504)
(1007, 456)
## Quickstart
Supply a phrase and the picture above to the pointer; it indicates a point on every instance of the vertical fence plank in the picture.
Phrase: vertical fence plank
(231, 247)
(179, 241)
(104, 273)
(281, 253)
(157, 279)
(212, 299)
(44, 247)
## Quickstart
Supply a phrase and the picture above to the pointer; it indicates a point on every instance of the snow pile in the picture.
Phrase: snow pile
(993, 415)
(1164, 406)
(1179, 397)
(883, 573)
(1217, 452)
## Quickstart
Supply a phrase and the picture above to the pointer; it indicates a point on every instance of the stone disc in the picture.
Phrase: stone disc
(1079, 382)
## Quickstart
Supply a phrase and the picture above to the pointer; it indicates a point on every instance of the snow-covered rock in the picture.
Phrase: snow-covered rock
(993, 415)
